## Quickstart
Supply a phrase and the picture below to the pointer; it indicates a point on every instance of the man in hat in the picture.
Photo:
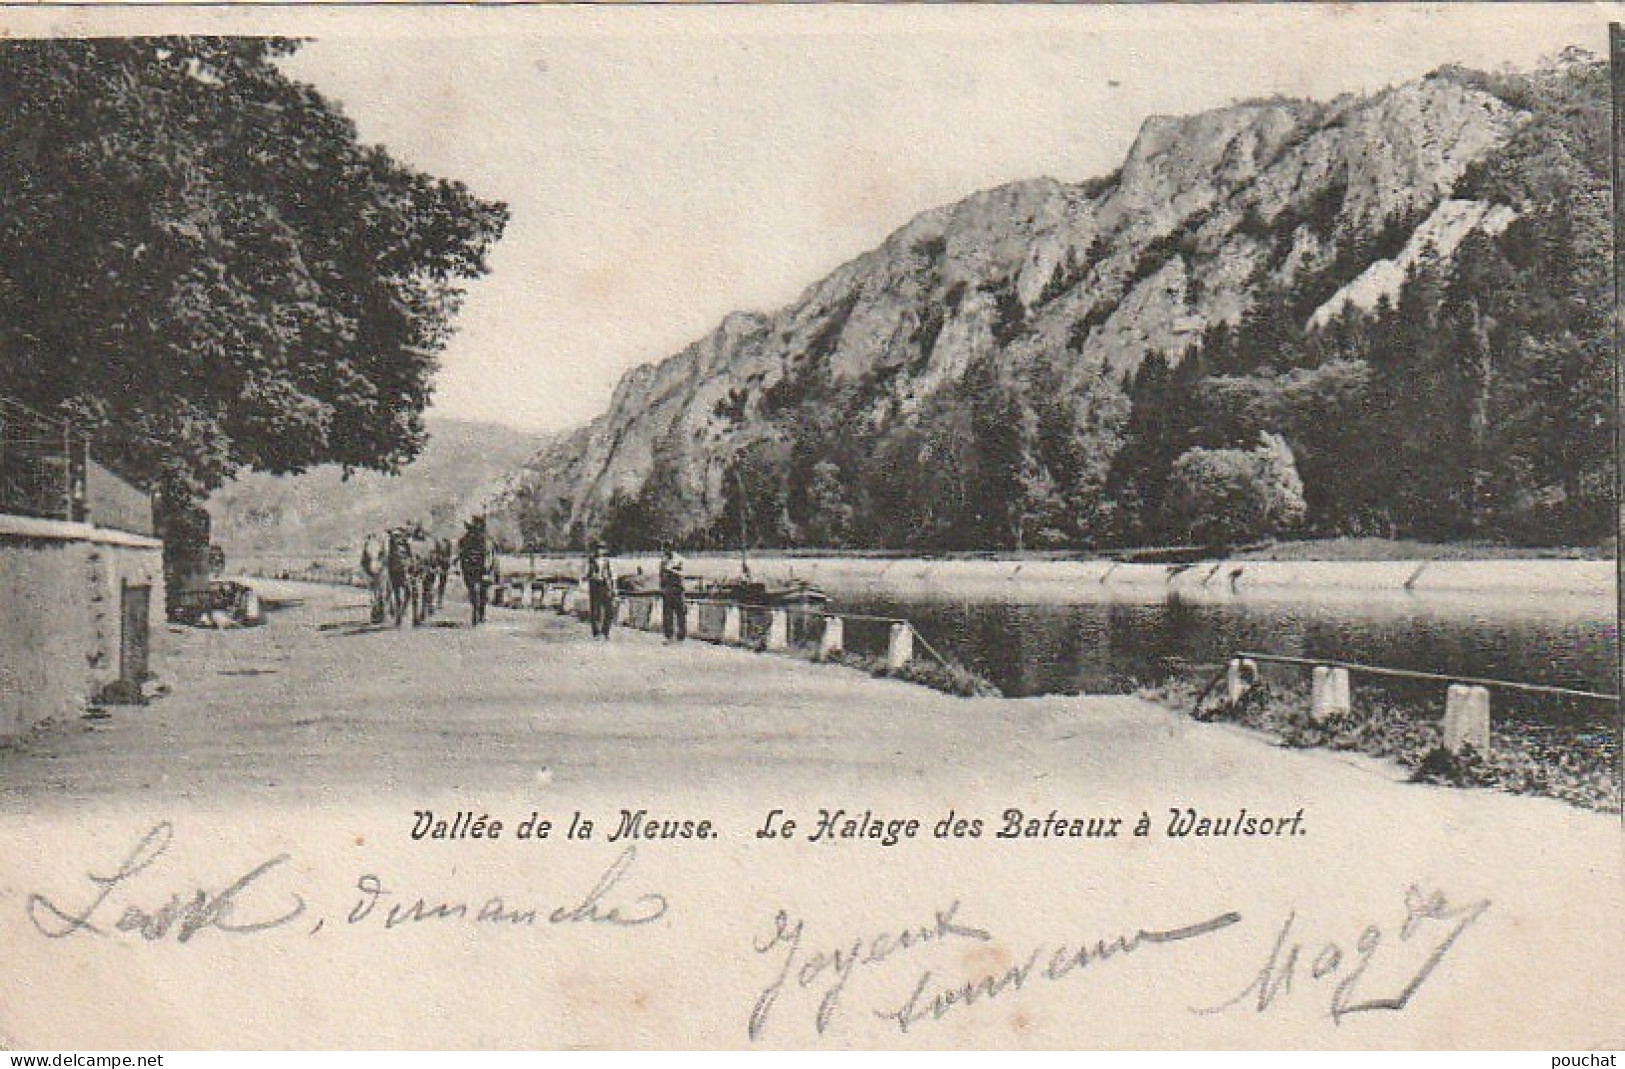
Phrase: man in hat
(600, 590)
(673, 599)
(477, 560)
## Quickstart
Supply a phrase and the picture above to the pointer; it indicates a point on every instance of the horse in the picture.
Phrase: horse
(436, 567)
(477, 560)
(372, 566)
(443, 553)
(402, 565)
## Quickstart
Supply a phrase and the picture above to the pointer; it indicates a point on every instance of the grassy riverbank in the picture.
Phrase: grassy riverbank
(1389, 549)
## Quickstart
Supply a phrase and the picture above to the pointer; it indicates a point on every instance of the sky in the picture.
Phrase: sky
(665, 167)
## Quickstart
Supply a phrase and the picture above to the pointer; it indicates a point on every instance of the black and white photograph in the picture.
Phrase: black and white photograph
(811, 527)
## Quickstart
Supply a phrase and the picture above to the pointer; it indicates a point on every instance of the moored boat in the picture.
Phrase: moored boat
(797, 593)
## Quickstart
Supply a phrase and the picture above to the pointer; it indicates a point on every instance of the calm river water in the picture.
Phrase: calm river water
(1114, 646)
(1062, 637)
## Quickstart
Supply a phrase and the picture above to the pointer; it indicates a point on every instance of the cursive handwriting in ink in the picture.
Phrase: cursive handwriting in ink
(931, 1001)
(185, 916)
(604, 904)
(1426, 914)
(835, 967)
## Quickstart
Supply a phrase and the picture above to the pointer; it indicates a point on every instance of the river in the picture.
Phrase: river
(1072, 627)
(1109, 645)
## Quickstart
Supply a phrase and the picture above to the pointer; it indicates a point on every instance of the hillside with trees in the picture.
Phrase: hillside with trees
(322, 513)
(1382, 315)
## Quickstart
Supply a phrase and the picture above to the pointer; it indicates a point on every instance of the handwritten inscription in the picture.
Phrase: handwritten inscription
(1428, 932)
(932, 999)
(834, 967)
(239, 908)
(608, 903)
(1430, 927)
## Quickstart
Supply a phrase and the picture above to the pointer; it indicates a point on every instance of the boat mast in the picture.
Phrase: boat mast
(744, 506)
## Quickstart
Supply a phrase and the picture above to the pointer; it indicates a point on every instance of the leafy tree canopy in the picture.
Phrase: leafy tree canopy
(201, 262)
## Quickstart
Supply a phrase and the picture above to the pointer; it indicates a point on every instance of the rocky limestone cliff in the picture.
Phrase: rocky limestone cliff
(1210, 215)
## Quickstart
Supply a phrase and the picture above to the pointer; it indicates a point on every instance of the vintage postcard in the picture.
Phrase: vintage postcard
(809, 527)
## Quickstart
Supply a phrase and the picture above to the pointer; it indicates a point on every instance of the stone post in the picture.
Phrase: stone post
(731, 623)
(833, 640)
(1329, 694)
(1239, 678)
(778, 630)
(1467, 718)
(899, 646)
(657, 615)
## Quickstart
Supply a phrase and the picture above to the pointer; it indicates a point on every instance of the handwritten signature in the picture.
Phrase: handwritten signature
(231, 910)
(1431, 922)
(604, 904)
(1429, 928)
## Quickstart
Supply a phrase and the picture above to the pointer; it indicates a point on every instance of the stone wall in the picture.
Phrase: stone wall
(61, 587)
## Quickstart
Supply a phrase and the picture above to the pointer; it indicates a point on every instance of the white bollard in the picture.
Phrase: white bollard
(1467, 718)
(657, 615)
(1329, 694)
(778, 630)
(730, 624)
(833, 641)
(1239, 678)
(899, 646)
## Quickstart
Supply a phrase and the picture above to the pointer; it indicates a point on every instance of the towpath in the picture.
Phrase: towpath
(1443, 917)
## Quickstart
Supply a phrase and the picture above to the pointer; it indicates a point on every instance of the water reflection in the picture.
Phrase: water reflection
(1112, 646)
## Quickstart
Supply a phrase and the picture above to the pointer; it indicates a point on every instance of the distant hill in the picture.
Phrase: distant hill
(321, 513)
(1381, 315)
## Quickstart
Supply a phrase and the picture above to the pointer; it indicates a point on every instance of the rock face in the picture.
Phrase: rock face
(1209, 215)
(1439, 235)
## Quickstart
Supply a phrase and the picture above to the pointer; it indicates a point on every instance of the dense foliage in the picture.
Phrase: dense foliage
(1477, 405)
(200, 263)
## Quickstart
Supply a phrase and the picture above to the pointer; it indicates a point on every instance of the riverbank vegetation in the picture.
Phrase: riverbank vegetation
(946, 676)
(1576, 762)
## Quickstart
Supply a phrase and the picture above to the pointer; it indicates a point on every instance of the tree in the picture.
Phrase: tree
(202, 265)
(1283, 488)
(830, 516)
(1226, 497)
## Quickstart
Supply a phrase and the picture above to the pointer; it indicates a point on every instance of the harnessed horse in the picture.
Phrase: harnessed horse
(372, 566)
(404, 567)
(443, 553)
(436, 566)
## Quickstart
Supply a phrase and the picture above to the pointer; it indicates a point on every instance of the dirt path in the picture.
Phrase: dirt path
(316, 741)
(318, 701)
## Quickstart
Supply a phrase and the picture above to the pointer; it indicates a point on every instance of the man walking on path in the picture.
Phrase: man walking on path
(674, 602)
(477, 560)
(600, 590)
